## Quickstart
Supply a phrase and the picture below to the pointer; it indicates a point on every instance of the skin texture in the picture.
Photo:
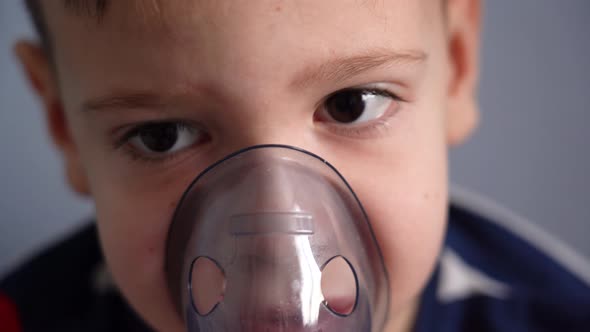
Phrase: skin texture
(246, 73)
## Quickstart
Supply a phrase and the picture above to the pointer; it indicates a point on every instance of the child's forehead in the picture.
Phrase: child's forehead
(174, 12)
(97, 8)
(331, 24)
(265, 41)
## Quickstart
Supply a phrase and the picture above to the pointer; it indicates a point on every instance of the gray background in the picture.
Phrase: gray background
(530, 154)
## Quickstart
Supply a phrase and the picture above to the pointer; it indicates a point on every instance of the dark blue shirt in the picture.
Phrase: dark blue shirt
(499, 272)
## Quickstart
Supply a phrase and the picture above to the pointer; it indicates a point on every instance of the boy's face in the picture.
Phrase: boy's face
(157, 90)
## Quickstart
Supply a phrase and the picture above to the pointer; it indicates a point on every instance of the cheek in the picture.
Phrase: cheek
(407, 210)
(133, 227)
(409, 225)
(407, 206)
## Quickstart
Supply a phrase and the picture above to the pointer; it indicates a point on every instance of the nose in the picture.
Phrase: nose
(265, 126)
(270, 184)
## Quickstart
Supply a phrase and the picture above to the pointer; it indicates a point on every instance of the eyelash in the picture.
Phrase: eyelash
(358, 131)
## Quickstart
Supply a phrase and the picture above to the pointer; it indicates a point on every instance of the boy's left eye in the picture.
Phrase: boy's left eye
(356, 106)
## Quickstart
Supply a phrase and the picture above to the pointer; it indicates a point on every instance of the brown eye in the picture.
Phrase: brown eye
(163, 137)
(159, 137)
(356, 106)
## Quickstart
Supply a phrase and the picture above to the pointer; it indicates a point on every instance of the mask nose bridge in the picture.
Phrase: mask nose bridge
(269, 207)
(270, 185)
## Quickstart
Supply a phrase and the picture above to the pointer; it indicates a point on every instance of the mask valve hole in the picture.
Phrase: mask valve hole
(207, 285)
(339, 286)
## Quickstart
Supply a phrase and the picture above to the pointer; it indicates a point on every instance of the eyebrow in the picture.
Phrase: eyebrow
(87, 8)
(342, 68)
(97, 9)
(124, 100)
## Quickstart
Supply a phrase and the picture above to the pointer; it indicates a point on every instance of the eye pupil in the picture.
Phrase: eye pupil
(159, 137)
(346, 106)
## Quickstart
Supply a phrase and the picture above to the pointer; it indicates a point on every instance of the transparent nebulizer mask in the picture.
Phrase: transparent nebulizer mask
(272, 238)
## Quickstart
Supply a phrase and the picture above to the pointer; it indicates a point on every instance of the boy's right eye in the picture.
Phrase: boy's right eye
(158, 140)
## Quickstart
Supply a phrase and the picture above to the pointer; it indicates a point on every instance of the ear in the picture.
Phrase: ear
(463, 28)
(44, 83)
